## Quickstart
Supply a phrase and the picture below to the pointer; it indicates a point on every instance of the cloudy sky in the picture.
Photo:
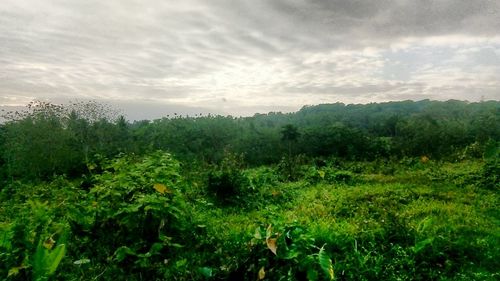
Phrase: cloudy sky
(155, 57)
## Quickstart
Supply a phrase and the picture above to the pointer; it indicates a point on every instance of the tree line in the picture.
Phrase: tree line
(46, 139)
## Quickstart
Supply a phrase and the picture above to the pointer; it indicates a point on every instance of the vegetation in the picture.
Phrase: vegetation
(390, 191)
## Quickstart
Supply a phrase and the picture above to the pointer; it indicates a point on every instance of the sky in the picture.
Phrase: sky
(150, 58)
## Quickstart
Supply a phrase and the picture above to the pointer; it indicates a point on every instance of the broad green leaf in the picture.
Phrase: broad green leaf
(205, 271)
(291, 254)
(156, 248)
(55, 257)
(325, 263)
(122, 252)
(45, 261)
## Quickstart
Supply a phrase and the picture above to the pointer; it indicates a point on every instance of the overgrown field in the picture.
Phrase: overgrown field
(152, 218)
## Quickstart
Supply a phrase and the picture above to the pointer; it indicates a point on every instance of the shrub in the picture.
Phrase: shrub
(491, 174)
(33, 245)
(288, 252)
(227, 182)
(329, 175)
(136, 210)
(34, 228)
(226, 185)
(262, 177)
(291, 168)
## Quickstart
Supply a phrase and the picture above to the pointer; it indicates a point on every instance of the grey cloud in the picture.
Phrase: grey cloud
(339, 23)
(247, 51)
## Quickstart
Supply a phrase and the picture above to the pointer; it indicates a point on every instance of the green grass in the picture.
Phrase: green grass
(430, 222)
(393, 227)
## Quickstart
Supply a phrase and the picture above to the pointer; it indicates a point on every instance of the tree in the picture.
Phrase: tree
(48, 139)
(289, 133)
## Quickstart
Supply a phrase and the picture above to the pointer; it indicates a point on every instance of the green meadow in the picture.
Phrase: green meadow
(401, 199)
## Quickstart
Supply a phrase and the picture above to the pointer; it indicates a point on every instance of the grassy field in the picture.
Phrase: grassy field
(428, 224)
(348, 221)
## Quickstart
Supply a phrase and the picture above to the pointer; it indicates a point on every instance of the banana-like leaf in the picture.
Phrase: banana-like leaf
(325, 263)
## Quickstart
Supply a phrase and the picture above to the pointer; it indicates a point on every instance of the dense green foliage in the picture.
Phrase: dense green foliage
(49, 139)
(393, 191)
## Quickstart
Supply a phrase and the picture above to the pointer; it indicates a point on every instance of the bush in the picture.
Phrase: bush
(329, 175)
(291, 168)
(34, 227)
(262, 177)
(135, 209)
(226, 185)
(288, 252)
(227, 182)
(491, 174)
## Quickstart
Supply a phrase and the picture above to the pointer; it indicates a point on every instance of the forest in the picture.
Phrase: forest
(404, 190)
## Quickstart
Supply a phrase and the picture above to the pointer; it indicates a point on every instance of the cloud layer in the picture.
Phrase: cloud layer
(241, 57)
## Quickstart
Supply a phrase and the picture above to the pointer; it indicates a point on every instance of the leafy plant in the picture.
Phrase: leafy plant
(329, 175)
(47, 257)
(290, 169)
(139, 200)
(491, 174)
(34, 244)
(291, 252)
(227, 182)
